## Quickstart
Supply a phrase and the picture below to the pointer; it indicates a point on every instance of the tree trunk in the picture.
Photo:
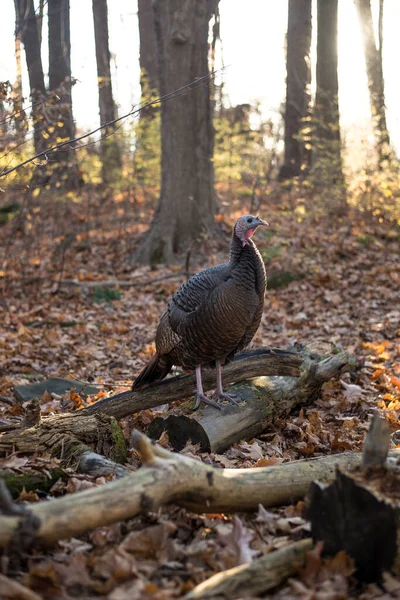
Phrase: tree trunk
(110, 150)
(327, 159)
(149, 71)
(360, 512)
(16, 95)
(376, 85)
(187, 204)
(298, 79)
(63, 166)
(28, 32)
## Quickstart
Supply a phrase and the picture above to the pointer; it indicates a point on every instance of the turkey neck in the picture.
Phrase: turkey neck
(246, 263)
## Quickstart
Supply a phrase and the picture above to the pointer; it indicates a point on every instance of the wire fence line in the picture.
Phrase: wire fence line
(71, 143)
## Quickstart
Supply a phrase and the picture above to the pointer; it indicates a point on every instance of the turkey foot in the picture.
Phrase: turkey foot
(220, 392)
(200, 396)
(230, 397)
(203, 398)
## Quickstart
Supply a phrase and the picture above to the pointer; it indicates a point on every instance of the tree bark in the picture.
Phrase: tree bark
(187, 205)
(110, 150)
(67, 436)
(62, 167)
(265, 400)
(28, 31)
(360, 511)
(327, 160)
(257, 577)
(173, 478)
(298, 80)
(149, 70)
(376, 84)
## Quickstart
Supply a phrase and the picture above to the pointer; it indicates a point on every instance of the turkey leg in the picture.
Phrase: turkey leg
(220, 392)
(200, 396)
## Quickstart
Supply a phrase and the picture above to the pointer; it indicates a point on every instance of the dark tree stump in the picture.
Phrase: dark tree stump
(360, 511)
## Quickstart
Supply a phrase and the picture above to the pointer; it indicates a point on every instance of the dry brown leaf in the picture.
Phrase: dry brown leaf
(237, 541)
(151, 542)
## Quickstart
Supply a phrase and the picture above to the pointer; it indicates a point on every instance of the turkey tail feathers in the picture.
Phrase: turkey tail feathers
(155, 370)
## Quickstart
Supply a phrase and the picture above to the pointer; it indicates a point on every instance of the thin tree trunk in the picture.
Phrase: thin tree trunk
(19, 114)
(187, 204)
(110, 150)
(63, 166)
(39, 19)
(376, 85)
(327, 150)
(298, 79)
(28, 32)
(149, 71)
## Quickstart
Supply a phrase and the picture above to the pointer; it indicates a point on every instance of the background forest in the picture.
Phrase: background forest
(133, 135)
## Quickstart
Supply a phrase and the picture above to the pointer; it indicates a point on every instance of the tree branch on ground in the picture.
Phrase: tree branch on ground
(254, 578)
(174, 478)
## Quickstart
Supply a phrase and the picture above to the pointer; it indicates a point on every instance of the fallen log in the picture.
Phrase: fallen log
(265, 361)
(360, 511)
(173, 478)
(67, 436)
(264, 399)
(31, 480)
(95, 428)
(254, 578)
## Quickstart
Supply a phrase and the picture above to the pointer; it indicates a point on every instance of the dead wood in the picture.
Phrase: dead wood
(68, 437)
(360, 511)
(9, 588)
(31, 480)
(251, 579)
(97, 465)
(265, 361)
(173, 478)
(95, 428)
(264, 399)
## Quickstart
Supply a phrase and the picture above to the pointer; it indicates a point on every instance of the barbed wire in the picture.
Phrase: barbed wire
(193, 85)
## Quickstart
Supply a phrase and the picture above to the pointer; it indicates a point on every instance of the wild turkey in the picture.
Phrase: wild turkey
(214, 315)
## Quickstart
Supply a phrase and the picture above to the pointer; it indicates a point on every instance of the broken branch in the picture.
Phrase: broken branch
(265, 361)
(251, 579)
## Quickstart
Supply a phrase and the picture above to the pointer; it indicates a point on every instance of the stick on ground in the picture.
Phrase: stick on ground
(255, 578)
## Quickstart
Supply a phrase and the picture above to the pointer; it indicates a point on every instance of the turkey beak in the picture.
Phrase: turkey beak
(261, 222)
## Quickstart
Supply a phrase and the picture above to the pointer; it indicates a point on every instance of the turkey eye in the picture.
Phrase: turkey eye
(249, 220)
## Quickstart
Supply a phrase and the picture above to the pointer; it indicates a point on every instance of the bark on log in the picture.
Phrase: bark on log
(264, 400)
(255, 578)
(31, 480)
(360, 511)
(265, 361)
(68, 437)
(173, 478)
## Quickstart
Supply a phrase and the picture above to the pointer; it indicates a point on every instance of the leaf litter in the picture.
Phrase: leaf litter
(346, 298)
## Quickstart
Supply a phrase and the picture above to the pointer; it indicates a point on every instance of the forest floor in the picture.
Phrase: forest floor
(63, 313)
